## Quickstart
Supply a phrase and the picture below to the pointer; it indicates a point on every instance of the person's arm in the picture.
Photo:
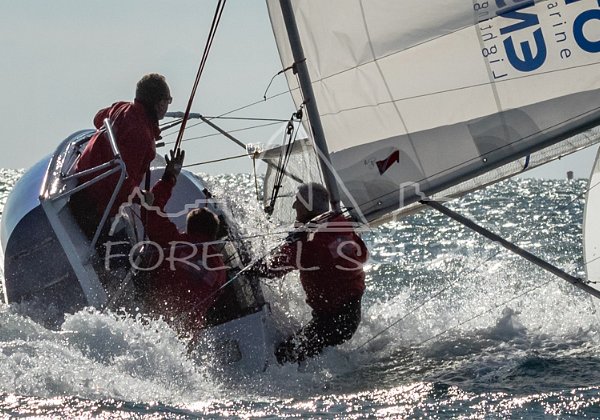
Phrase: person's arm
(364, 254)
(100, 116)
(160, 229)
(281, 261)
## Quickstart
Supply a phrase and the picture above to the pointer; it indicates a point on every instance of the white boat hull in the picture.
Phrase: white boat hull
(49, 272)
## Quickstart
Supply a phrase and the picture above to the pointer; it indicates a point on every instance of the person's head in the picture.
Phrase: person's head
(152, 90)
(202, 221)
(312, 199)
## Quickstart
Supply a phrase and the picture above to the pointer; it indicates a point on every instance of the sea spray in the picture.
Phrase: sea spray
(452, 327)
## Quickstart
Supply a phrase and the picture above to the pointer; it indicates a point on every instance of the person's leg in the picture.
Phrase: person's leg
(84, 212)
(306, 342)
(322, 331)
(344, 324)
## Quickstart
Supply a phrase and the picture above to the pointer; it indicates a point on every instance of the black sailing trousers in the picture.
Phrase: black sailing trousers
(322, 331)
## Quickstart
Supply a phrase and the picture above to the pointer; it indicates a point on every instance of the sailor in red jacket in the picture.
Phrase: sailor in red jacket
(191, 271)
(329, 256)
(135, 125)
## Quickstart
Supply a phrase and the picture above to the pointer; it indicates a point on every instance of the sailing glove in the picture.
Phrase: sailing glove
(174, 165)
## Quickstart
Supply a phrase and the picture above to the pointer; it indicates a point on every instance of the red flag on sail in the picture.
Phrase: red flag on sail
(385, 164)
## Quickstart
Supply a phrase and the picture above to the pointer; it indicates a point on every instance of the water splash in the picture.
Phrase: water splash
(460, 328)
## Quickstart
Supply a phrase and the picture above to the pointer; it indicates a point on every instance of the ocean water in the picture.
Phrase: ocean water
(453, 327)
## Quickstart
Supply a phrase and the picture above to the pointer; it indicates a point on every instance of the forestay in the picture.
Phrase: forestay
(444, 96)
(280, 189)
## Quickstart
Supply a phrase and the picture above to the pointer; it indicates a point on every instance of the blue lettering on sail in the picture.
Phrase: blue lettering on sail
(584, 43)
(529, 62)
(516, 4)
(526, 61)
(524, 35)
(527, 20)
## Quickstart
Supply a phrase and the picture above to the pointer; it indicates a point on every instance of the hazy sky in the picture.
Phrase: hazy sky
(62, 60)
(65, 59)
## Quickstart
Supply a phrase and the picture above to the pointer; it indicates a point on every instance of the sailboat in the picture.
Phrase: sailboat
(407, 104)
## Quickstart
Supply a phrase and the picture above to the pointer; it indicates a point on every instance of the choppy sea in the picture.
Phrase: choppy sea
(453, 327)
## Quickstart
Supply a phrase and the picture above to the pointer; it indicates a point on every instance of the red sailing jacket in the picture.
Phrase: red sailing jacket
(186, 286)
(136, 133)
(330, 258)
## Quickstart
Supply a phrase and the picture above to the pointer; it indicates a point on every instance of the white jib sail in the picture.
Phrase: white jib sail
(418, 97)
(591, 227)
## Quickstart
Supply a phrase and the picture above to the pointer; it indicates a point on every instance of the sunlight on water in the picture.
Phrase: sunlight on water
(452, 326)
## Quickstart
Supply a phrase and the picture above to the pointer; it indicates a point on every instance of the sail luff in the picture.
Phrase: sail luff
(310, 103)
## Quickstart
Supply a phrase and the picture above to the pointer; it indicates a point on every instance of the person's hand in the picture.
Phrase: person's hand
(148, 197)
(174, 165)
(257, 269)
(143, 197)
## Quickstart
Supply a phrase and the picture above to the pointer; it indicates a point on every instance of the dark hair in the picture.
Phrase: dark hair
(202, 221)
(314, 197)
(151, 89)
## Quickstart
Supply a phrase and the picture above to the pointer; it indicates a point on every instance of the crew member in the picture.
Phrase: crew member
(191, 270)
(136, 129)
(329, 256)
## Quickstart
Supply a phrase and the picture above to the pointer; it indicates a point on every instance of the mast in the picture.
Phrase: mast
(311, 104)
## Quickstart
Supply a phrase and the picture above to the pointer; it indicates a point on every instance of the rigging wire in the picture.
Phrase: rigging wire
(291, 134)
(169, 125)
(214, 161)
(183, 121)
(246, 119)
(223, 116)
(254, 155)
(464, 273)
(256, 102)
(178, 121)
(292, 67)
(219, 134)
(209, 41)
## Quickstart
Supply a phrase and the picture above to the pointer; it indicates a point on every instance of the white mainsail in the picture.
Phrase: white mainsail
(444, 96)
